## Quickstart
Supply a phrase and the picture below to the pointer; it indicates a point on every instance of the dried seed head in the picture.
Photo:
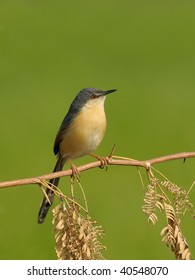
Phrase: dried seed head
(173, 237)
(76, 236)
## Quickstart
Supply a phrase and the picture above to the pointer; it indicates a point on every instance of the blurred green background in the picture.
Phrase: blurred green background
(49, 50)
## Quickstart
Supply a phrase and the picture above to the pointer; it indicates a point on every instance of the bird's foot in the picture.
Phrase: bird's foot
(75, 172)
(103, 160)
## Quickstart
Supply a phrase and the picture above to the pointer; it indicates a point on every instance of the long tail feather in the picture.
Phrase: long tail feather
(45, 205)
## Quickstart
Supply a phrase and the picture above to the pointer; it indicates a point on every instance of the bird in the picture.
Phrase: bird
(80, 133)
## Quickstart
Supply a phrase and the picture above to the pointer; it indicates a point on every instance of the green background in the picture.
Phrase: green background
(49, 50)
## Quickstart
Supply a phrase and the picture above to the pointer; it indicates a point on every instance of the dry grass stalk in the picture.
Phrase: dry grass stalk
(152, 201)
(76, 236)
(157, 196)
(173, 237)
(181, 199)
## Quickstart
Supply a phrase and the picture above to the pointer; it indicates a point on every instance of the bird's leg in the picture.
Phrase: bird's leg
(75, 171)
(104, 160)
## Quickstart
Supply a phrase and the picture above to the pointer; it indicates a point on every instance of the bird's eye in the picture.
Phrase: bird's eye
(93, 96)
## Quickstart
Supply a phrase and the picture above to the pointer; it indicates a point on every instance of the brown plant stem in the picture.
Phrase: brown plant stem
(111, 161)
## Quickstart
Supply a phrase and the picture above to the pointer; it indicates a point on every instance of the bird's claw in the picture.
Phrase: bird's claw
(75, 172)
(103, 160)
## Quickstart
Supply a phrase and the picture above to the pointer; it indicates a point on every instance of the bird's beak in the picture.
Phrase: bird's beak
(109, 91)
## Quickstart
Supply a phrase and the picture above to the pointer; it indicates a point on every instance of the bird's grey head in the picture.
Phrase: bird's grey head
(87, 94)
(93, 93)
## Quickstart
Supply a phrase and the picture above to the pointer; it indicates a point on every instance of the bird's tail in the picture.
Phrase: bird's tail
(47, 201)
